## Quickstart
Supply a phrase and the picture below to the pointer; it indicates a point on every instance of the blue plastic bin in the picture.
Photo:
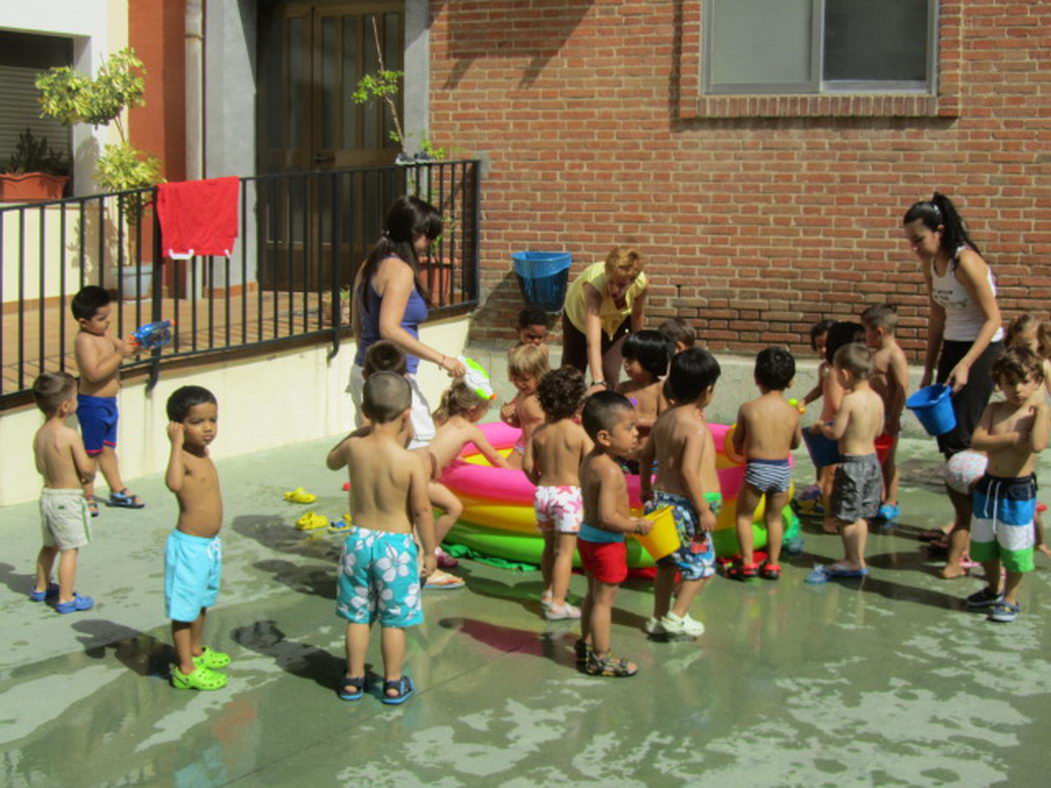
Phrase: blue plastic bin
(933, 407)
(542, 277)
(823, 451)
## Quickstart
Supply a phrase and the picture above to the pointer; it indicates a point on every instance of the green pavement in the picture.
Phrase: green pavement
(887, 680)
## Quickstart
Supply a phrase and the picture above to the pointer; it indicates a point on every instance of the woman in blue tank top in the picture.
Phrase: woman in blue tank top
(390, 303)
(963, 336)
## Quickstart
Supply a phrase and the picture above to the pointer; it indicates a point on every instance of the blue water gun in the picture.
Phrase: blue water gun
(152, 335)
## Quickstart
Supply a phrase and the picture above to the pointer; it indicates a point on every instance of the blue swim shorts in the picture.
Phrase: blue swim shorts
(98, 422)
(193, 567)
(379, 579)
(768, 476)
(695, 557)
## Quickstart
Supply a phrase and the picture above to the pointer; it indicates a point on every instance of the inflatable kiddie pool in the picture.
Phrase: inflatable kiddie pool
(498, 517)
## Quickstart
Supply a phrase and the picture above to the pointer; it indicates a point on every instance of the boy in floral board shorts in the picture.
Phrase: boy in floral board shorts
(378, 576)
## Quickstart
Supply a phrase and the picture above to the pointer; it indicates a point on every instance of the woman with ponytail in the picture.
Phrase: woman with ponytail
(964, 335)
(390, 302)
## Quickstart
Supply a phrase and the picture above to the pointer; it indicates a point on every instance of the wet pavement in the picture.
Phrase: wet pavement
(886, 680)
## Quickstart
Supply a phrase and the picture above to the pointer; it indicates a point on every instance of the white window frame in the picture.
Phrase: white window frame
(819, 86)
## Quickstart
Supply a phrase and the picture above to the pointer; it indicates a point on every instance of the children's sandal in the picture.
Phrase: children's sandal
(93, 505)
(403, 686)
(609, 665)
(740, 571)
(124, 499)
(200, 679)
(770, 571)
(351, 688)
(211, 659)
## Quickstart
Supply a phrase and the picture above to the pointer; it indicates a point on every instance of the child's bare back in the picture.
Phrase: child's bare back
(768, 427)
(555, 452)
(388, 480)
(450, 438)
(60, 456)
(862, 413)
(678, 434)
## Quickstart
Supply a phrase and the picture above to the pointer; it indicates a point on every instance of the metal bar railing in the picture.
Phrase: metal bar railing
(302, 237)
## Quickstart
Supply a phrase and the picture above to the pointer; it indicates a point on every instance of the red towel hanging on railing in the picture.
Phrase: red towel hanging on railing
(198, 217)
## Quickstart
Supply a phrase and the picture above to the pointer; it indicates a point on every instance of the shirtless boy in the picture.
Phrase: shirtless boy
(526, 364)
(378, 577)
(646, 355)
(890, 378)
(193, 555)
(65, 466)
(767, 430)
(552, 462)
(682, 447)
(1012, 432)
(99, 355)
(858, 483)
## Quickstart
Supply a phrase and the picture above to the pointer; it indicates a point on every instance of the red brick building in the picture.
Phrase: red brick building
(759, 214)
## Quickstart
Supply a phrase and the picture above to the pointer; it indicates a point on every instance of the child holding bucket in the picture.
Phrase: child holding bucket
(767, 430)
(609, 420)
(682, 447)
(552, 462)
(890, 378)
(858, 482)
(1012, 432)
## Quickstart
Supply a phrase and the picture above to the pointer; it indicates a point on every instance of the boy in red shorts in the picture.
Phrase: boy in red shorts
(610, 421)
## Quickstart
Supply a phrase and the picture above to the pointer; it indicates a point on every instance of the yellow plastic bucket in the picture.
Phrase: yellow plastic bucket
(663, 539)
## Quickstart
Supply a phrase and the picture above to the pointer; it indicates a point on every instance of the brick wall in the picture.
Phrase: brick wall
(757, 216)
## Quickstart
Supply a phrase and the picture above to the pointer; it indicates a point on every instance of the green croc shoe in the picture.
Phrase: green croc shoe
(211, 659)
(201, 679)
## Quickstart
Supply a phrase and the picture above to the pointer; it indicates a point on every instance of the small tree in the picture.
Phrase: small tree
(71, 98)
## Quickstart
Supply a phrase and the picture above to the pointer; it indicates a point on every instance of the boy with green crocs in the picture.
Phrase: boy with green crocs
(193, 555)
(1012, 433)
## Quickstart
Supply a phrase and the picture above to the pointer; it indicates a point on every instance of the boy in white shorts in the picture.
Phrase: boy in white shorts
(65, 466)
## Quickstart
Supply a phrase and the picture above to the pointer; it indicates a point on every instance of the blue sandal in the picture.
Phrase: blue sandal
(49, 594)
(351, 688)
(124, 500)
(75, 605)
(1005, 612)
(403, 686)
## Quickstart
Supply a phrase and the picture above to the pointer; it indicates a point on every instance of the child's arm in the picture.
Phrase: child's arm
(740, 432)
(486, 448)
(337, 456)
(818, 389)
(1038, 431)
(692, 462)
(423, 515)
(81, 461)
(97, 367)
(176, 473)
(611, 482)
(899, 382)
(646, 457)
(509, 414)
(983, 440)
(530, 414)
(838, 428)
(529, 465)
(797, 436)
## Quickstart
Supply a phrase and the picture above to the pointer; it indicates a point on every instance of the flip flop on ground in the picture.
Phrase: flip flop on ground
(823, 573)
(124, 499)
(443, 581)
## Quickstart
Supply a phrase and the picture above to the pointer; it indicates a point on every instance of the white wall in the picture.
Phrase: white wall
(98, 28)
(265, 402)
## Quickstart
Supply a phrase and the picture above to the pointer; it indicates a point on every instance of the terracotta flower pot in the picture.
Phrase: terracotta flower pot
(31, 187)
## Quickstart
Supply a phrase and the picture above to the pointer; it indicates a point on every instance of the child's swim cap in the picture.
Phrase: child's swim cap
(477, 379)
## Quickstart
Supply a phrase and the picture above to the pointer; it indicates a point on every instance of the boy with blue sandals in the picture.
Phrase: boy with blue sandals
(858, 483)
(378, 575)
(1012, 433)
(193, 554)
(99, 355)
(65, 466)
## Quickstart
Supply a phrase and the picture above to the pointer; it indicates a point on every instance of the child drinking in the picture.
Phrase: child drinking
(462, 406)
(526, 364)
(552, 462)
(609, 421)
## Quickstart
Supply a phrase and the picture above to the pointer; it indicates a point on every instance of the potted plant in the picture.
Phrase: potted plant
(34, 172)
(71, 97)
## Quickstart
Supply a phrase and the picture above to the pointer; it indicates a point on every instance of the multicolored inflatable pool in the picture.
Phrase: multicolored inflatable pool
(498, 516)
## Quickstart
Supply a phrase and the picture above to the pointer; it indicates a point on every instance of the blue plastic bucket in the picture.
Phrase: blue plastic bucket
(542, 277)
(823, 451)
(933, 407)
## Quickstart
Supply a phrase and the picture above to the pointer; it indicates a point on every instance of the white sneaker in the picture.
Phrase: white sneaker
(654, 627)
(561, 612)
(682, 626)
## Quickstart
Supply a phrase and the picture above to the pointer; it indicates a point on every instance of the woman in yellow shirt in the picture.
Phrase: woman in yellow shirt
(603, 305)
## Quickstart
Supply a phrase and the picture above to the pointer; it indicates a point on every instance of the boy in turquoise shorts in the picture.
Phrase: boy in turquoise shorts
(378, 575)
(1012, 433)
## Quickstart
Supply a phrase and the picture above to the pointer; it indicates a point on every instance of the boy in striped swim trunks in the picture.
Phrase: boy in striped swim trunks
(1012, 433)
(767, 430)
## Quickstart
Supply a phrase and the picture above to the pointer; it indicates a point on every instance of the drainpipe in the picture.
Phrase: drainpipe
(194, 89)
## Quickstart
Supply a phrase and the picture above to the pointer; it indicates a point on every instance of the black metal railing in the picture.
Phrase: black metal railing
(302, 236)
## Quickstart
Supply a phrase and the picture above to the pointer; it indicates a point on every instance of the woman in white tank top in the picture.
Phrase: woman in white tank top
(964, 335)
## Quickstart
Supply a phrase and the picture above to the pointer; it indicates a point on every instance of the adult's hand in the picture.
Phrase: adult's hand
(455, 367)
(958, 377)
